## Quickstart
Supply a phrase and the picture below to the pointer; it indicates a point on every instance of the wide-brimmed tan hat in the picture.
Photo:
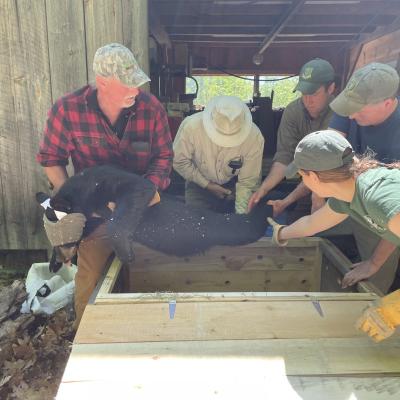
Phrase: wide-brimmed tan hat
(227, 121)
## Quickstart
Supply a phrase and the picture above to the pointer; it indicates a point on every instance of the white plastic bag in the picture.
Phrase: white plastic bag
(48, 291)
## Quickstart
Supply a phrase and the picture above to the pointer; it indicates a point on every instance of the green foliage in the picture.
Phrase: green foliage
(210, 86)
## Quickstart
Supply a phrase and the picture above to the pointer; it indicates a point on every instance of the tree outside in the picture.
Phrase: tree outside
(211, 86)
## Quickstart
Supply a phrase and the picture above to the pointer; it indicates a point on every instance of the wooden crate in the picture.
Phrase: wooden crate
(250, 342)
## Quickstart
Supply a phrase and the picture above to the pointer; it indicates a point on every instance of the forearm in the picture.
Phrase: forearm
(57, 175)
(321, 220)
(298, 193)
(382, 253)
(275, 176)
(186, 168)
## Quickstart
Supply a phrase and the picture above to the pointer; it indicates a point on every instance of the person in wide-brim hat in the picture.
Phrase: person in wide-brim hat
(219, 153)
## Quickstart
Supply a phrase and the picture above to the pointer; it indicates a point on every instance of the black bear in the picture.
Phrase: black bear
(168, 226)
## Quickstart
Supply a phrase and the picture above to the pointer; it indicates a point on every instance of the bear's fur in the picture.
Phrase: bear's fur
(169, 226)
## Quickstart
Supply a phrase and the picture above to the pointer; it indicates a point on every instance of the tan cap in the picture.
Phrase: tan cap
(118, 61)
(368, 85)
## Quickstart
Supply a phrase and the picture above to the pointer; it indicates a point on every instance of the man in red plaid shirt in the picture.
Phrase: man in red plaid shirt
(114, 123)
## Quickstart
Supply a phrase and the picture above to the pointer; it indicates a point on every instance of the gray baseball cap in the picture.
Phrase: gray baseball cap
(368, 85)
(118, 61)
(320, 151)
(313, 75)
(68, 229)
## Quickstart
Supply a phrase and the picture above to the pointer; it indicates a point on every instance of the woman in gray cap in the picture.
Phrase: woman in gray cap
(362, 188)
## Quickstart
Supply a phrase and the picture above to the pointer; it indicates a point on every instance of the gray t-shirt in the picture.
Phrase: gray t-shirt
(375, 202)
(295, 124)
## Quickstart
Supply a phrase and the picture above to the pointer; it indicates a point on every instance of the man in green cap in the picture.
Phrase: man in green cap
(367, 112)
(307, 114)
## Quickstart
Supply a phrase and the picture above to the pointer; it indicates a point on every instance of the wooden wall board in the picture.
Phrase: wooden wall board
(103, 22)
(124, 323)
(67, 47)
(384, 49)
(136, 31)
(235, 369)
(28, 93)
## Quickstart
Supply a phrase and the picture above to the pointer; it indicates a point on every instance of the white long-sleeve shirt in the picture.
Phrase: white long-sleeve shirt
(201, 161)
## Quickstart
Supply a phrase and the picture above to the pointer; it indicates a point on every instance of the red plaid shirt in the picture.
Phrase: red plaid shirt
(76, 127)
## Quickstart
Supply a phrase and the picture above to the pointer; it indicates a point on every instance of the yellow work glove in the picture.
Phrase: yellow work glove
(276, 229)
(380, 321)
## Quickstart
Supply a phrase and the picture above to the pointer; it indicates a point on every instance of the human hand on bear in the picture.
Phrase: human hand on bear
(218, 190)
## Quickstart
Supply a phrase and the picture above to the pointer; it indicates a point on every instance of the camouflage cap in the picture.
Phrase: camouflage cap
(118, 61)
(368, 85)
(68, 229)
(320, 151)
(313, 75)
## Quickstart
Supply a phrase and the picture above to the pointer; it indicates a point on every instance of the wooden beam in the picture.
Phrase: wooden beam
(283, 20)
(251, 21)
(173, 7)
(258, 30)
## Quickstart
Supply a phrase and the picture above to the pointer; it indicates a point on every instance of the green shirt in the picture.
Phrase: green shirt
(375, 202)
(295, 124)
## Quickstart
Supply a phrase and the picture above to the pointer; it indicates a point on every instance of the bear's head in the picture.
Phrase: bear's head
(63, 227)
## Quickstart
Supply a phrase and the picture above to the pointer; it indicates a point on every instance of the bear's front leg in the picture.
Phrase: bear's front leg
(122, 243)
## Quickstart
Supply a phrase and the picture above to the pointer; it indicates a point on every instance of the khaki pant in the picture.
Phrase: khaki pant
(93, 253)
(366, 243)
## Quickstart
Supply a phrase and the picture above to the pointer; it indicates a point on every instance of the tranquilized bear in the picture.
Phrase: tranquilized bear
(121, 199)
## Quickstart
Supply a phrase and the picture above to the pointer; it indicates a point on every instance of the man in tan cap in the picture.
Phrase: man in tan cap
(112, 123)
(307, 114)
(219, 153)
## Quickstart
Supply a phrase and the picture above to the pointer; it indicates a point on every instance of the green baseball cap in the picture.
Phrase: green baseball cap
(368, 85)
(313, 75)
(320, 151)
(118, 61)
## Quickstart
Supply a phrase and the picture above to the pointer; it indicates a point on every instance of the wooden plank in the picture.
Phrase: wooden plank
(125, 323)
(10, 232)
(136, 31)
(343, 264)
(30, 96)
(111, 277)
(264, 369)
(127, 298)
(67, 50)
(103, 22)
(289, 279)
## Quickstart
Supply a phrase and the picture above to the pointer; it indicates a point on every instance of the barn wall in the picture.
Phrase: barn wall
(385, 49)
(46, 50)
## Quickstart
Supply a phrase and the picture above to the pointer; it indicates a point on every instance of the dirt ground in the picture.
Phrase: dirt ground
(33, 349)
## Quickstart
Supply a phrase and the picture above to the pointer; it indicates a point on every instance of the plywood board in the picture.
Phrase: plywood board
(266, 369)
(125, 323)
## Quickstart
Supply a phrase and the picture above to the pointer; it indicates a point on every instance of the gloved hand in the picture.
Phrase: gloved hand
(276, 229)
(380, 321)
